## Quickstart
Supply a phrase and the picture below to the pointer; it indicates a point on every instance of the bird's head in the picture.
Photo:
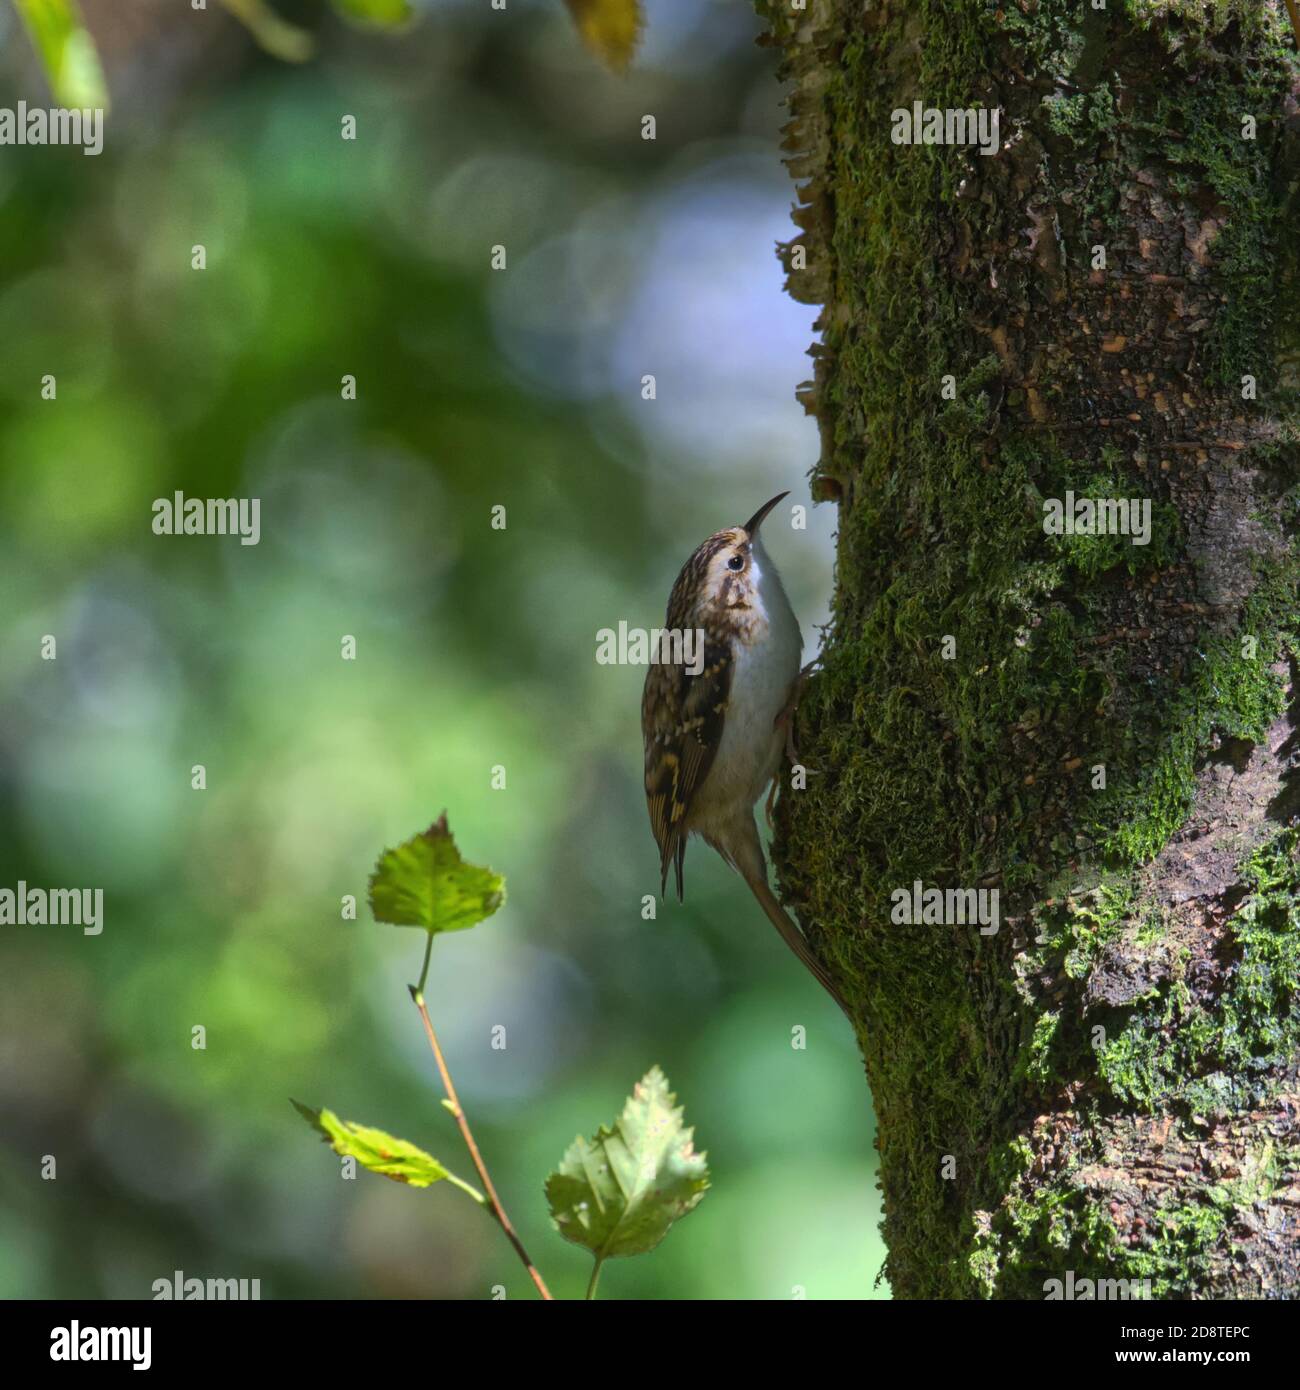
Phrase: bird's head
(725, 570)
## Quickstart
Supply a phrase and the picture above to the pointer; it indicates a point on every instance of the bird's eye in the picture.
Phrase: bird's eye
(737, 562)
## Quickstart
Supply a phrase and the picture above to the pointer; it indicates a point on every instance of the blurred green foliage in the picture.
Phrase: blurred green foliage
(475, 648)
(609, 28)
(66, 50)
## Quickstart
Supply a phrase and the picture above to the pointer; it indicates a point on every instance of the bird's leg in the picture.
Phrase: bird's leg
(771, 798)
(786, 720)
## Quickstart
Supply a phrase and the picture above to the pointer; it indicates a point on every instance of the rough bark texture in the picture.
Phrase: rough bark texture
(1111, 1083)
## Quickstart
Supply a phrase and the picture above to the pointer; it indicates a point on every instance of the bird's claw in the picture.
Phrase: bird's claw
(791, 751)
(786, 716)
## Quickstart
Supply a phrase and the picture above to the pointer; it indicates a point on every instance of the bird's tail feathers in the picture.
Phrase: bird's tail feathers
(795, 939)
(674, 852)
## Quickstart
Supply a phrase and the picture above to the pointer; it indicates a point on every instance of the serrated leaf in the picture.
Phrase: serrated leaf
(610, 28)
(425, 883)
(67, 52)
(620, 1192)
(277, 36)
(382, 14)
(375, 1150)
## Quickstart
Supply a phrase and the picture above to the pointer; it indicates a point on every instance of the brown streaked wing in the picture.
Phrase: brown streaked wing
(681, 721)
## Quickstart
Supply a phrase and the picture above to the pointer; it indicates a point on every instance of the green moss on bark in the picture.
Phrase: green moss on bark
(977, 765)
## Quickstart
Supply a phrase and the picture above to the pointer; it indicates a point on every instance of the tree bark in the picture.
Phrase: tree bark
(1102, 731)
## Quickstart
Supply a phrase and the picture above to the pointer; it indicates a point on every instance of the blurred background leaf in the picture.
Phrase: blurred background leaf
(609, 28)
(280, 38)
(67, 51)
(382, 13)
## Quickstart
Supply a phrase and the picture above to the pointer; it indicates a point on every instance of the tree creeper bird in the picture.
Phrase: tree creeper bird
(715, 731)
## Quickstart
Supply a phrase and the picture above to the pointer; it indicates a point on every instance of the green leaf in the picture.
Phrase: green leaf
(610, 28)
(375, 1150)
(619, 1193)
(425, 883)
(383, 14)
(67, 51)
(277, 36)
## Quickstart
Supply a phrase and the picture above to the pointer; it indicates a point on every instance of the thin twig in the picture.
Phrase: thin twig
(454, 1106)
(424, 972)
(1294, 12)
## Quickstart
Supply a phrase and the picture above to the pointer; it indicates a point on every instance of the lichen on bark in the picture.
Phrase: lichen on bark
(1110, 1084)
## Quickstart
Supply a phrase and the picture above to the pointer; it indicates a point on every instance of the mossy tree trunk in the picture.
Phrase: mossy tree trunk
(1109, 1084)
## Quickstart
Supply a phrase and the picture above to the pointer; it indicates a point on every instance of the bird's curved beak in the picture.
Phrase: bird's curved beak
(755, 521)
